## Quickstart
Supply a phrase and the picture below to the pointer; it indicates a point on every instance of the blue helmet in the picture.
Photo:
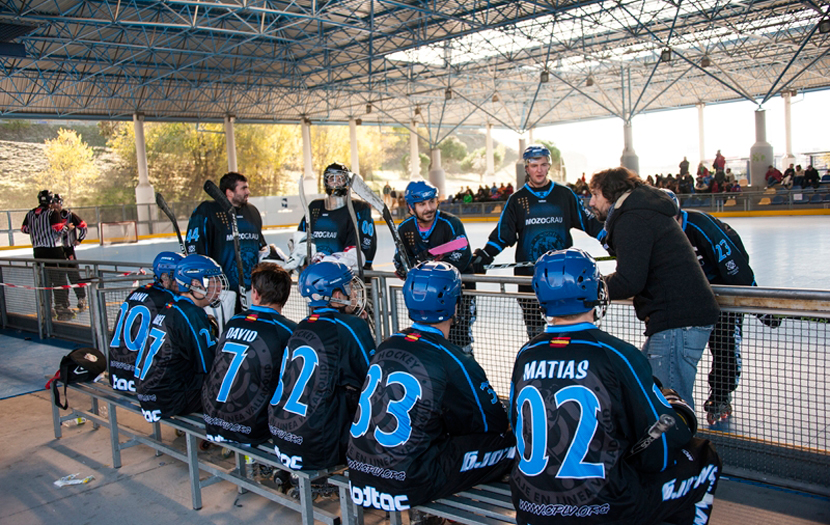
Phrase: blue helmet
(431, 291)
(535, 151)
(674, 199)
(567, 282)
(209, 276)
(419, 191)
(165, 264)
(319, 281)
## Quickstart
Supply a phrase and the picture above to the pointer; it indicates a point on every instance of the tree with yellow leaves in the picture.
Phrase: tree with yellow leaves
(71, 168)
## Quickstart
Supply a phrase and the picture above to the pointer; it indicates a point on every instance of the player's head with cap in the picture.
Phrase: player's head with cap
(336, 179)
(431, 292)
(422, 200)
(568, 284)
(673, 196)
(270, 285)
(201, 279)
(332, 284)
(164, 268)
(44, 198)
(537, 164)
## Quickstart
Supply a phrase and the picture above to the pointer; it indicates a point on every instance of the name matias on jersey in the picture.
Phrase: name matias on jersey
(558, 369)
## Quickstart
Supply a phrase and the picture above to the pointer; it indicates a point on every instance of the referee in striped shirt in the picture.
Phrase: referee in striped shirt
(45, 226)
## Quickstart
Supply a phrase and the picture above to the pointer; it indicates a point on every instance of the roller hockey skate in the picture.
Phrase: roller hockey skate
(320, 489)
(717, 411)
(82, 305)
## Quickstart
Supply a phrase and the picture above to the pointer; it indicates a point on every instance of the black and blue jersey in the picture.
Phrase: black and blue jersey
(131, 331)
(580, 399)
(445, 228)
(244, 375)
(718, 248)
(333, 231)
(176, 359)
(425, 412)
(323, 367)
(540, 220)
(210, 233)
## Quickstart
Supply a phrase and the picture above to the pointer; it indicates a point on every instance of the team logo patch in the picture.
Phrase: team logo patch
(559, 342)
(313, 318)
(414, 336)
(251, 317)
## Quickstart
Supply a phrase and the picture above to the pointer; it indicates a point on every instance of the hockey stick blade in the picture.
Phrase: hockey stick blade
(447, 247)
(162, 204)
(365, 192)
(219, 196)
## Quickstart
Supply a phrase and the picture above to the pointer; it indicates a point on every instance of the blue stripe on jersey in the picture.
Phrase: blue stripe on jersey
(195, 336)
(349, 328)
(426, 328)
(469, 381)
(540, 194)
(569, 328)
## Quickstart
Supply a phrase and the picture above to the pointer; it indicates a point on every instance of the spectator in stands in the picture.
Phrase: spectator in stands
(72, 236)
(609, 390)
(773, 176)
(701, 170)
(182, 343)
(718, 182)
(798, 177)
(246, 370)
(684, 167)
(45, 227)
(686, 184)
(325, 362)
(811, 177)
(656, 266)
(790, 172)
(387, 194)
(730, 177)
(650, 180)
(429, 423)
(720, 163)
(494, 191)
(702, 186)
(508, 190)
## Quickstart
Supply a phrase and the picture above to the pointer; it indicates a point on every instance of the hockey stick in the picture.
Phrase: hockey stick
(365, 192)
(525, 264)
(162, 204)
(219, 196)
(358, 244)
(307, 221)
(652, 434)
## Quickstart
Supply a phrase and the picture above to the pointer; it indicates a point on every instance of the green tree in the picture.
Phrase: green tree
(71, 168)
(555, 155)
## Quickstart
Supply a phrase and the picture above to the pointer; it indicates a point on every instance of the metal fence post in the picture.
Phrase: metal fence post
(11, 229)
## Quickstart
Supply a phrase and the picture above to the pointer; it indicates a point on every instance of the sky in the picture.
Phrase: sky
(662, 139)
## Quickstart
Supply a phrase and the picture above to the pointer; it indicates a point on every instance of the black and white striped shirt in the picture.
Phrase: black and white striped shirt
(44, 227)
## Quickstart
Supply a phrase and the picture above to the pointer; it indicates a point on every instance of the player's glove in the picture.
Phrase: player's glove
(684, 411)
(480, 260)
(400, 271)
(773, 321)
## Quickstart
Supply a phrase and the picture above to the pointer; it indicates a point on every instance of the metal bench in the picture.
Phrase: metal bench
(481, 505)
(193, 427)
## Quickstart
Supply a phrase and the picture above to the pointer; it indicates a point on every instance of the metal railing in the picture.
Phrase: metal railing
(778, 432)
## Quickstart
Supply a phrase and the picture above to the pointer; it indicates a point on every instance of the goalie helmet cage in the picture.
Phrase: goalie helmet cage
(117, 232)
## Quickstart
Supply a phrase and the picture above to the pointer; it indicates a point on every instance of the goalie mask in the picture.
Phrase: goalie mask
(202, 277)
(320, 280)
(336, 180)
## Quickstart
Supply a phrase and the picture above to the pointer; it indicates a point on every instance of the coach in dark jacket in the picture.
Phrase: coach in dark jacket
(656, 266)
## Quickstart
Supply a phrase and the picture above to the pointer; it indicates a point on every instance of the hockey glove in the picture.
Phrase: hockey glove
(400, 271)
(684, 411)
(480, 260)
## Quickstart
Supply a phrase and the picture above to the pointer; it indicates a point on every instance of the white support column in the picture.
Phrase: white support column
(144, 192)
(520, 165)
(353, 143)
(436, 173)
(629, 158)
(489, 158)
(700, 136)
(789, 158)
(414, 158)
(530, 136)
(230, 142)
(760, 154)
(309, 183)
